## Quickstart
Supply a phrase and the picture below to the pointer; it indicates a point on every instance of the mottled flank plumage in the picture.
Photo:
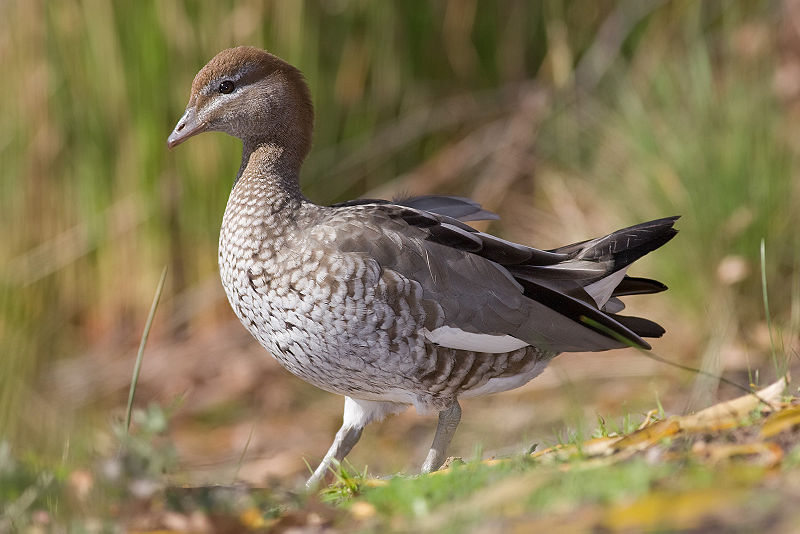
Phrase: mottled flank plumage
(398, 303)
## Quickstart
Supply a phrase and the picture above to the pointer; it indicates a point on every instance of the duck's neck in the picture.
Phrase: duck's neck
(269, 173)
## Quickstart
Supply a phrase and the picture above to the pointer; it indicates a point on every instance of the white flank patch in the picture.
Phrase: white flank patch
(601, 290)
(455, 338)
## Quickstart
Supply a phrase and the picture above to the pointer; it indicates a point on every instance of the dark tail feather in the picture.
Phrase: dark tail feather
(643, 327)
(578, 311)
(562, 287)
(631, 285)
(624, 246)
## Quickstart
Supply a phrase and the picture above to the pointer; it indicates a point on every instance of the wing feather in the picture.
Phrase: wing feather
(484, 285)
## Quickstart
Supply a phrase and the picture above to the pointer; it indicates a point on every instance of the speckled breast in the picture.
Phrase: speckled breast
(323, 315)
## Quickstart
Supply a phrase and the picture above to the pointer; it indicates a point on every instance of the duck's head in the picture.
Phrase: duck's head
(250, 94)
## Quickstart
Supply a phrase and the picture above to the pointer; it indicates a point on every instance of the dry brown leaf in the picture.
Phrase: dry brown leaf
(718, 417)
(599, 446)
(559, 452)
(676, 511)
(780, 421)
(765, 454)
(729, 414)
(650, 418)
(648, 436)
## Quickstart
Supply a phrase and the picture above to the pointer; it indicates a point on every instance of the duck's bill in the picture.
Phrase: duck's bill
(187, 126)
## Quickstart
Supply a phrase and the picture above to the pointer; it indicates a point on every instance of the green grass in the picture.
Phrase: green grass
(680, 490)
(528, 487)
(673, 484)
(414, 497)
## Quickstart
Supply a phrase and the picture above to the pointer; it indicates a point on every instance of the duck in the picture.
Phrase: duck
(401, 303)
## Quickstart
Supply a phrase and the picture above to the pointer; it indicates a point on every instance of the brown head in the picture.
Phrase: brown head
(253, 95)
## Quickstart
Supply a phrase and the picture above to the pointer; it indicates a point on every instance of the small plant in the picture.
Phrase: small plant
(348, 482)
(25, 491)
(602, 430)
(146, 452)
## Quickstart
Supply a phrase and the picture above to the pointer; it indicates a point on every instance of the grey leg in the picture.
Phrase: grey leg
(448, 422)
(357, 414)
(346, 438)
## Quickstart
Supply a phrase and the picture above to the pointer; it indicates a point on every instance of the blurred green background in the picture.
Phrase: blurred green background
(570, 119)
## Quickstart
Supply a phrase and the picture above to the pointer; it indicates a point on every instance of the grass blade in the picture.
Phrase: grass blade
(778, 370)
(244, 452)
(140, 355)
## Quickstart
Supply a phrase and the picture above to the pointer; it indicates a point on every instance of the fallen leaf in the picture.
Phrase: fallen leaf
(765, 454)
(670, 510)
(650, 418)
(599, 446)
(648, 436)
(729, 414)
(780, 421)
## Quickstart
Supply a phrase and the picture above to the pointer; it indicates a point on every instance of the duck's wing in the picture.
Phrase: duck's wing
(485, 291)
(460, 208)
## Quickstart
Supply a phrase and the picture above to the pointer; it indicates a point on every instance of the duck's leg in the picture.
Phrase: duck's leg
(448, 422)
(357, 414)
(345, 439)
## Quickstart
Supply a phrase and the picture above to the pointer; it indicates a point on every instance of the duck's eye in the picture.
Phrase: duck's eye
(226, 87)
